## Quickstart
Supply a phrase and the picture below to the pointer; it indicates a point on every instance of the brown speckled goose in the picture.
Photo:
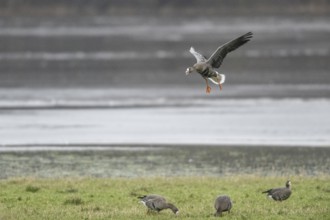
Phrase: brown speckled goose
(157, 203)
(222, 204)
(280, 194)
(205, 66)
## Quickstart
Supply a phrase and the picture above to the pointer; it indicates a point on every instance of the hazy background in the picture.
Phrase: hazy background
(109, 44)
(109, 72)
(98, 88)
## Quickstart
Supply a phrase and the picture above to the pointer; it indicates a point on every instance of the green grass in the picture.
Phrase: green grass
(105, 198)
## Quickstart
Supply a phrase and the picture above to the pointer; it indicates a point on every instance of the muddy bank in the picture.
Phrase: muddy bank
(167, 161)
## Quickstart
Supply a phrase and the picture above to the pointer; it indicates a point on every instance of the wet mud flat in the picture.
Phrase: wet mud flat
(145, 161)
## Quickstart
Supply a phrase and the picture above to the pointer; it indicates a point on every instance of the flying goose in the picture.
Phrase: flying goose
(157, 203)
(222, 204)
(205, 66)
(280, 194)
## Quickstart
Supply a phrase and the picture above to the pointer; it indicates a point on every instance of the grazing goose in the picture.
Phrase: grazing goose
(205, 66)
(157, 203)
(222, 204)
(280, 194)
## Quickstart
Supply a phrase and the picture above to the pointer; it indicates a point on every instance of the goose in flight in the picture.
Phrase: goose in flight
(206, 67)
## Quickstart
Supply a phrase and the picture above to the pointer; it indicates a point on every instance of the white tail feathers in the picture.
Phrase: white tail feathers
(219, 79)
(223, 78)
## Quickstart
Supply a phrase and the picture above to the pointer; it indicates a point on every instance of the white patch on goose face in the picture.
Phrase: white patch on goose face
(187, 71)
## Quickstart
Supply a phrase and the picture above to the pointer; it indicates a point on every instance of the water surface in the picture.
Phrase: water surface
(117, 80)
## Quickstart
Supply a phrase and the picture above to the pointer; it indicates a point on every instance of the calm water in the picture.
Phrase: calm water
(94, 82)
(121, 80)
(156, 116)
(148, 51)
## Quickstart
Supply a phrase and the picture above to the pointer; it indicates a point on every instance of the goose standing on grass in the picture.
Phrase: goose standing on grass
(222, 204)
(280, 194)
(205, 66)
(157, 203)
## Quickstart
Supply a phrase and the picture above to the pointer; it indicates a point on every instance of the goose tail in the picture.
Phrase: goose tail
(219, 79)
(267, 191)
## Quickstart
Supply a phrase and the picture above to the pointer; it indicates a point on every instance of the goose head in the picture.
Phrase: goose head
(174, 209)
(190, 70)
(288, 184)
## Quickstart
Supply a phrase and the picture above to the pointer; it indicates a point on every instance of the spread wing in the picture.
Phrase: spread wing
(217, 57)
(199, 57)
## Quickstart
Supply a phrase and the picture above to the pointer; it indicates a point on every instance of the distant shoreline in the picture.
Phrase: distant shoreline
(166, 160)
(84, 147)
(162, 8)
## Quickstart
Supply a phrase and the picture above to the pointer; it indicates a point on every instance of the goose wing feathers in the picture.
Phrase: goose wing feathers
(282, 194)
(223, 203)
(153, 202)
(146, 198)
(199, 57)
(157, 204)
(217, 57)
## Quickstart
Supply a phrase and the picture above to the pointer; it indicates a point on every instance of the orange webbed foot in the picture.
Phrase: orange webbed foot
(208, 90)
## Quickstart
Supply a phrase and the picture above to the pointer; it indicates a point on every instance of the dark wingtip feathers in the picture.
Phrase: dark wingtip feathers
(247, 37)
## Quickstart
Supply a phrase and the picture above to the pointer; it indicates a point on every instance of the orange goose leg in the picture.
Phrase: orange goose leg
(220, 86)
(208, 88)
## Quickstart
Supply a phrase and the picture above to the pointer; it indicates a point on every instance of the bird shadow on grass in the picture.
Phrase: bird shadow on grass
(73, 201)
(32, 189)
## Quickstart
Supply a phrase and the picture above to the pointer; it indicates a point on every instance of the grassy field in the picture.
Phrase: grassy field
(106, 198)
